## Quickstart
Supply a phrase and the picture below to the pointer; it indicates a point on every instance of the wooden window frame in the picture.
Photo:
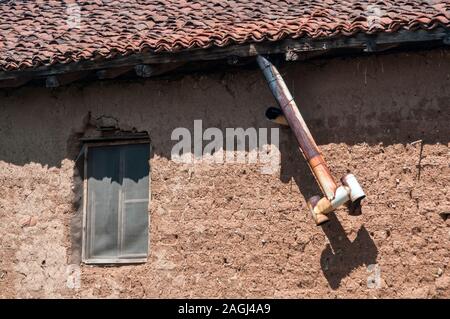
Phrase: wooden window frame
(102, 261)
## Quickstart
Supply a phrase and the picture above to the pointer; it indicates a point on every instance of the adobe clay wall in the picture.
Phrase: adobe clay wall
(234, 230)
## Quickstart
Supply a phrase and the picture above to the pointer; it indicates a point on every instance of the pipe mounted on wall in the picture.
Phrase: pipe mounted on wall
(335, 195)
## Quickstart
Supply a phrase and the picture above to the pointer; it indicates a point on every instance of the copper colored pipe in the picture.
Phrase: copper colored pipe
(295, 120)
(334, 195)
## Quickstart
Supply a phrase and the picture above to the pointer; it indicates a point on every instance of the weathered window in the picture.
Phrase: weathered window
(116, 203)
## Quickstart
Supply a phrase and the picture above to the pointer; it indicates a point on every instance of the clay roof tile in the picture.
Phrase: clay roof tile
(36, 33)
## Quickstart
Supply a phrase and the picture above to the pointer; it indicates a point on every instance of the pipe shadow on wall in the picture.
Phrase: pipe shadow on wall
(341, 255)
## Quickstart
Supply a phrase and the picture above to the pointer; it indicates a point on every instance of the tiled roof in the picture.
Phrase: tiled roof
(35, 33)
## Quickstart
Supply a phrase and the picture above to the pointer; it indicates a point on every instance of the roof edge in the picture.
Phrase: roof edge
(293, 49)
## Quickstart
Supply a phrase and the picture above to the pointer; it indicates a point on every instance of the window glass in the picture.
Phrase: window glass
(117, 202)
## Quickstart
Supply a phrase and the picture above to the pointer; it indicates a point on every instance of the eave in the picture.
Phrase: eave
(148, 65)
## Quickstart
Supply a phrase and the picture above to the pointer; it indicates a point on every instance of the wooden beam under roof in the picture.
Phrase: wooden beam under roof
(112, 73)
(149, 70)
(54, 81)
(294, 49)
(15, 82)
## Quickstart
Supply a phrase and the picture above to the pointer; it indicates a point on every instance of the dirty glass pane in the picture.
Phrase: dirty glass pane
(135, 199)
(135, 171)
(118, 192)
(103, 195)
(135, 232)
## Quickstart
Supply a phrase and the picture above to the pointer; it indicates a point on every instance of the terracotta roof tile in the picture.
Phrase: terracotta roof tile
(35, 33)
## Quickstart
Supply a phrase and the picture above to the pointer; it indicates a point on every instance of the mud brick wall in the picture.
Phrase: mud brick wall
(228, 230)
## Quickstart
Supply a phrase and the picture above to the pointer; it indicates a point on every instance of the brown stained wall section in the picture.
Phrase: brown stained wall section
(228, 230)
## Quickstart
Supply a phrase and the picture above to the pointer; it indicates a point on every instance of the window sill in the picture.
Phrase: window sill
(115, 261)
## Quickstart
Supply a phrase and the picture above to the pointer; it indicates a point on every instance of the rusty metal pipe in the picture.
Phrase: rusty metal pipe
(308, 146)
(335, 195)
